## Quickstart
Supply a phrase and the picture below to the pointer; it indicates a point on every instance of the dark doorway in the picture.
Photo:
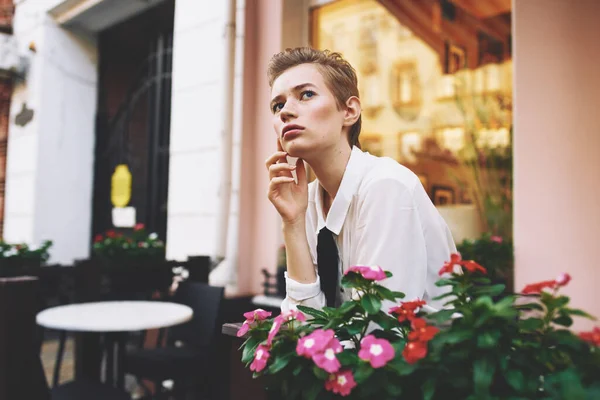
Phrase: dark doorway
(133, 119)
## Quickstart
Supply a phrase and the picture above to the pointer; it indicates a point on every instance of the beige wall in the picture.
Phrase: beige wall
(258, 219)
(557, 145)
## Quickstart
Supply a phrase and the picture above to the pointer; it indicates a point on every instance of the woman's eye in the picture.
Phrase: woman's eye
(277, 107)
(307, 94)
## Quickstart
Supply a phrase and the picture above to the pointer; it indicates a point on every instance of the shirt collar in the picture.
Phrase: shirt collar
(343, 198)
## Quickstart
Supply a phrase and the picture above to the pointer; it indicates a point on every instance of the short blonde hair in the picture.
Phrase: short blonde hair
(340, 76)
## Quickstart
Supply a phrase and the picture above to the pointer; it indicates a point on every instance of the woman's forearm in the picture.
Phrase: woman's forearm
(299, 261)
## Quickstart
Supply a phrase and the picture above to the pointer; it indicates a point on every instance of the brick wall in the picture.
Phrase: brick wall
(5, 95)
(7, 11)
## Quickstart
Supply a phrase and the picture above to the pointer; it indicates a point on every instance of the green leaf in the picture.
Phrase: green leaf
(250, 348)
(493, 290)
(531, 324)
(385, 293)
(399, 295)
(320, 373)
(346, 307)
(347, 358)
(313, 312)
(384, 320)
(441, 316)
(446, 282)
(515, 379)
(371, 303)
(556, 302)
(563, 320)
(363, 372)
(393, 390)
(529, 306)
(280, 363)
(453, 336)
(428, 389)
(578, 313)
(313, 390)
(488, 340)
(298, 369)
(388, 274)
(483, 374)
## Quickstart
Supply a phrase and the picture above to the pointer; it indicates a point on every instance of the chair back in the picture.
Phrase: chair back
(205, 301)
(21, 372)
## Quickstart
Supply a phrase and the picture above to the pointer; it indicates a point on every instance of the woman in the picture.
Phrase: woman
(367, 210)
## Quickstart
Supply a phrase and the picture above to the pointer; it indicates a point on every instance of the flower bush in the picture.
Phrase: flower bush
(23, 252)
(135, 245)
(517, 347)
(495, 252)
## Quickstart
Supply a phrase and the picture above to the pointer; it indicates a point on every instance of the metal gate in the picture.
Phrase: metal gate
(137, 135)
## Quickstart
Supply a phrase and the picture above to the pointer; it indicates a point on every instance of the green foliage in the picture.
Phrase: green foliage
(484, 346)
(22, 251)
(135, 244)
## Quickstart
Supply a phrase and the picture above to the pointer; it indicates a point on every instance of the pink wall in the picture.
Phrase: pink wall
(258, 219)
(557, 146)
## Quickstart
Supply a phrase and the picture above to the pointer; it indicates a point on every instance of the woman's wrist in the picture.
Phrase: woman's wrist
(296, 225)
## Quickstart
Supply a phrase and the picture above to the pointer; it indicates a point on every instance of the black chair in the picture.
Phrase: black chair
(185, 358)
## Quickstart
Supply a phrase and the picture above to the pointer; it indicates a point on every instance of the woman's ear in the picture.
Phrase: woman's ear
(353, 111)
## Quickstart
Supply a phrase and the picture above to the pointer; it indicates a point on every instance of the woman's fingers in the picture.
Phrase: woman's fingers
(273, 158)
(277, 181)
(282, 169)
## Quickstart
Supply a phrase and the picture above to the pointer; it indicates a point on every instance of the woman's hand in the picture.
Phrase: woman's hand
(289, 198)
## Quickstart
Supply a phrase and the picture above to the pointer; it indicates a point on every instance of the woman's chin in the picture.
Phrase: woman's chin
(296, 149)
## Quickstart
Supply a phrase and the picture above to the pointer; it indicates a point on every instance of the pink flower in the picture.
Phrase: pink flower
(314, 343)
(341, 383)
(373, 273)
(497, 239)
(563, 279)
(274, 329)
(261, 355)
(252, 316)
(138, 227)
(377, 351)
(327, 360)
(293, 314)
(243, 329)
(257, 315)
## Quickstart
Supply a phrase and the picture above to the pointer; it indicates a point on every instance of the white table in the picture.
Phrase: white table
(113, 317)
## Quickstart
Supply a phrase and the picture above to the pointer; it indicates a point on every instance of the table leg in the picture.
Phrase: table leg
(121, 341)
(110, 359)
(88, 356)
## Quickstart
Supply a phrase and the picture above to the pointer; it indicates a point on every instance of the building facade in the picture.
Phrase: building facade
(80, 73)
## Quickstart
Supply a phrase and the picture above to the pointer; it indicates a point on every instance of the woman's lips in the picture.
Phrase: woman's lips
(292, 133)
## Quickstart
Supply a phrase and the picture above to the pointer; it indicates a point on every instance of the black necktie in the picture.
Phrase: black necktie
(327, 262)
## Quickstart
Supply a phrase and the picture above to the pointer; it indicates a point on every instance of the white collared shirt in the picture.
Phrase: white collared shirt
(381, 215)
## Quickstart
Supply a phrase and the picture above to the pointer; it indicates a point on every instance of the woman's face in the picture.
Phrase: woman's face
(305, 113)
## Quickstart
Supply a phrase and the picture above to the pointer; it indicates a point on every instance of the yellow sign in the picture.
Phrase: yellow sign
(120, 193)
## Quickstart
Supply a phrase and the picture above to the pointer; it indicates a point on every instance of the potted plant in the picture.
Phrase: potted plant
(20, 259)
(134, 261)
(517, 347)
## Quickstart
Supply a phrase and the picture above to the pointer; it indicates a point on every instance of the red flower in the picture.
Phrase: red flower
(448, 268)
(111, 234)
(414, 351)
(341, 383)
(456, 259)
(536, 288)
(472, 266)
(592, 337)
(406, 310)
(98, 238)
(563, 279)
(421, 331)
(138, 227)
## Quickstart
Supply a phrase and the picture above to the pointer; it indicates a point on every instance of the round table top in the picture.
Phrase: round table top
(114, 316)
